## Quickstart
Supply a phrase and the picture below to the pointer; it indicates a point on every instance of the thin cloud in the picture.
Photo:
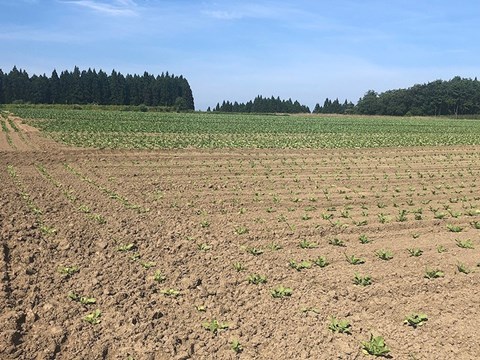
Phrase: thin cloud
(115, 8)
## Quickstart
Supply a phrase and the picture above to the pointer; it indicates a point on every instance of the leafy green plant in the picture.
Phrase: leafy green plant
(364, 239)
(415, 320)
(476, 224)
(454, 228)
(281, 292)
(239, 266)
(462, 268)
(257, 279)
(204, 247)
(384, 254)
(434, 273)
(300, 265)
(241, 230)
(353, 260)
(159, 276)
(321, 261)
(441, 249)
(170, 292)
(337, 242)
(305, 244)
(148, 264)
(236, 346)
(127, 247)
(94, 318)
(81, 299)
(215, 326)
(339, 326)
(68, 271)
(362, 280)
(383, 218)
(415, 252)
(254, 251)
(402, 215)
(375, 346)
(465, 244)
(274, 247)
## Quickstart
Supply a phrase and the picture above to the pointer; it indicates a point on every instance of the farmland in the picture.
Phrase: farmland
(208, 236)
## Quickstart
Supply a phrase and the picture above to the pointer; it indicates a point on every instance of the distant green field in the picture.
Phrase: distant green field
(151, 130)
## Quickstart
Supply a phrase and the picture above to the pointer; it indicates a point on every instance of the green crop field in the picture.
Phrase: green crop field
(152, 130)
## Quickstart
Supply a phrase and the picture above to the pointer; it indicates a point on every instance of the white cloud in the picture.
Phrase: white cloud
(113, 8)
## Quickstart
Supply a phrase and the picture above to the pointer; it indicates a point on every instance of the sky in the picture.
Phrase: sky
(235, 50)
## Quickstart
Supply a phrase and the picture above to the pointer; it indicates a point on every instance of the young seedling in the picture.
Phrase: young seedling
(68, 271)
(476, 224)
(281, 292)
(201, 308)
(402, 215)
(170, 292)
(93, 318)
(241, 230)
(375, 346)
(215, 326)
(236, 346)
(148, 264)
(305, 244)
(239, 266)
(434, 273)
(257, 279)
(254, 251)
(353, 260)
(159, 277)
(127, 247)
(462, 268)
(364, 239)
(339, 326)
(321, 261)
(384, 254)
(465, 244)
(337, 242)
(415, 320)
(203, 247)
(362, 280)
(454, 228)
(415, 252)
(441, 249)
(300, 265)
(81, 299)
(274, 247)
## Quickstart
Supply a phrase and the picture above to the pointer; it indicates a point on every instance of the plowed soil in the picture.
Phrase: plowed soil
(155, 236)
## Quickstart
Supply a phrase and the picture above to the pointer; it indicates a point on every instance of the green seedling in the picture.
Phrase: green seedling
(305, 244)
(465, 244)
(415, 235)
(353, 260)
(170, 292)
(257, 279)
(201, 308)
(203, 247)
(472, 212)
(337, 242)
(127, 247)
(440, 215)
(241, 230)
(441, 249)
(99, 219)
(300, 265)
(454, 228)
(254, 251)
(364, 239)
(274, 247)
(84, 208)
(81, 299)
(339, 326)
(239, 266)
(476, 224)
(47, 230)
(384, 254)
(375, 346)
(415, 320)
(148, 264)
(215, 326)
(68, 271)
(310, 309)
(362, 280)
(236, 346)
(434, 273)
(306, 217)
(159, 276)
(327, 216)
(93, 318)
(462, 268)
(321, 261)
(281, 292)
(415, 252)
(383, 218)
(205, 224)
(402, 215)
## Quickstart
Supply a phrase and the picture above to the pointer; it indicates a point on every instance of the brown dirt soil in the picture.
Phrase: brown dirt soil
(192, 214)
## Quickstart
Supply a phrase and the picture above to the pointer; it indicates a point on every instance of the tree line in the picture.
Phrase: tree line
(92, 87)
(263, 105)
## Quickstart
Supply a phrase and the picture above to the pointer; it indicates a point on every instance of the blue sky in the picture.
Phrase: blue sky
(234, 50)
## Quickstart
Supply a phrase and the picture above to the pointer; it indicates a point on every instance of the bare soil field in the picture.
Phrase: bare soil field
(135, 254)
